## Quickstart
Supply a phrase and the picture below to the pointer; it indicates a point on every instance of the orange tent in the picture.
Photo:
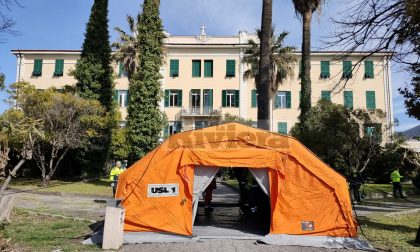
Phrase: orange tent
(307, 196)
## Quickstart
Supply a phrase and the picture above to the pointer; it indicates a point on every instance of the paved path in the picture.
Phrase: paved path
(388, 205)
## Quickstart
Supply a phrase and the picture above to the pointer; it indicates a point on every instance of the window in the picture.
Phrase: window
(254, 95)
(374, 131)
(348, 99)
(326, 95)
(282, 127)
(325, 69)
(173, 98)
(121, 96)
(196, 68)
(172, 128)
(37, 67)
(230, 98)
(59, 67)
(195, 101)
(347, 70)
(208, 101)
(174, 68)
(121, 70)
(283, 99)
(369, 73)
(201, 124)
(230, 68)
(370, 100)
(208, 68)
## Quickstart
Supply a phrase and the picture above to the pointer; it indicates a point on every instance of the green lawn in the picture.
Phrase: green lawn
(377, 188)
(392, 233)
(44, 233)
(97, 187)
(232, 182)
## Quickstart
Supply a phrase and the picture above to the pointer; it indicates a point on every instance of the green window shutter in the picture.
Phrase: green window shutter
(180, 98)
(348, 99)
(237, 98)
(166, 131)
(115, 98)
(325, 69)
(300, 97)
(196, 68)
(37, 67)
(167, 97)
(370, 100)
(347, 69)
(208, 68)
(254, 98)
(127, 98)
(282, 127)
(288, 99)
(326, 95)
(120, 69)
(230, 68)
(276, 101)
(174, 68)
(224, 98)
(59, 67)
(369, 73)
(211, 98)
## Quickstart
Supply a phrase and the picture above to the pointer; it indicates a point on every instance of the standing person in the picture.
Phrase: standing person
(396, 183)
(113, 176)
(209, 195)
(356, 181)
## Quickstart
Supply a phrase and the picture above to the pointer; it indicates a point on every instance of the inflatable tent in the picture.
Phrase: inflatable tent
(160, 191)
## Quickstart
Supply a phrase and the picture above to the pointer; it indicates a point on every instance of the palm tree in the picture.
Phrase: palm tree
(282, 61)
(305, 9)
(127, 50)
(264, 66)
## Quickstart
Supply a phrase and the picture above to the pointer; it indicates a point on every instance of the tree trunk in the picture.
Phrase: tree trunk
(305, 102)
(46, 181)
(9, 178)
(264, 73)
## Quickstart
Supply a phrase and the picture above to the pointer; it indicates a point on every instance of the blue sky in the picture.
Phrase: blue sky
(52, 24)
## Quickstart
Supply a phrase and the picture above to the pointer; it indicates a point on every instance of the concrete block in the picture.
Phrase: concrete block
(113, 228)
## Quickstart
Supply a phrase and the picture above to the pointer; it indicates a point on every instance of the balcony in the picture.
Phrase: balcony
(200, 111)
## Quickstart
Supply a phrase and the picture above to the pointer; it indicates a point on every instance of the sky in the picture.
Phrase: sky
(52, 24)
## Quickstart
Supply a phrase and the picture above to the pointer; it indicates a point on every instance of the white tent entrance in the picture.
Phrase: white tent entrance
(226, 219)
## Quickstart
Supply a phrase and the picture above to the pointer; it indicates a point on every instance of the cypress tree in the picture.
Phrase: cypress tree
(94, 81)
(145, 120)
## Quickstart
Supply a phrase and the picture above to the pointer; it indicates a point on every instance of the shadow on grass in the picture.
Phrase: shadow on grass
(363, 220)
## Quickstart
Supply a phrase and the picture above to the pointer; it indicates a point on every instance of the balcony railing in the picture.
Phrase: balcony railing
(201, 111)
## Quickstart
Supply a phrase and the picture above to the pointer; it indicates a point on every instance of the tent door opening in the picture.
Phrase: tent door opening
(231, 208)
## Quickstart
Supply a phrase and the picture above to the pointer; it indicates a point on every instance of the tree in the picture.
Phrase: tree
(127, 48)
(119, 146)
(347, 140)
(412, 94)
(16, 133)
(2, 79)
(305, 9)
(94, 81)
(384, 25)
(264, 66)
(281, 61)
(68, 121)
(145, 120)
(6, 21)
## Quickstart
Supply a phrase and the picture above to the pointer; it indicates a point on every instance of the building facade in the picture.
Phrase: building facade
(203, 79)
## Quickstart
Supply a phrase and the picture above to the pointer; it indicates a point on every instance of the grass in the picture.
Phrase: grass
(392, 233)
(232, 182)
(44, 233)
(377, 188)
(97, 187)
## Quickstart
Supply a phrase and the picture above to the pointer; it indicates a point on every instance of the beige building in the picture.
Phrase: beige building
(203, 77)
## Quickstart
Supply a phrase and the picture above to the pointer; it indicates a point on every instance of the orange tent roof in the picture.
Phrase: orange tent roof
(303, 189)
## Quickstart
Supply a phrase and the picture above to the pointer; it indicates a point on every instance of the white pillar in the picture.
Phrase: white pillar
(243, 89)
(113, 228)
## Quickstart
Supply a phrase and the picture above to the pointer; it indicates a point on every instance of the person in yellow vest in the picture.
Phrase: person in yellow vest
(396, 183)
(114, 174)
